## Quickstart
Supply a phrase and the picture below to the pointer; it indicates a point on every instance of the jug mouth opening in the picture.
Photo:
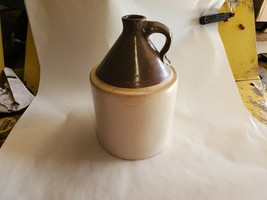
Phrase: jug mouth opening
(134, 17)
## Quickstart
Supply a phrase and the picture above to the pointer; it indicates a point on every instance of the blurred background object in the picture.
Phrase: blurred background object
(14, 23)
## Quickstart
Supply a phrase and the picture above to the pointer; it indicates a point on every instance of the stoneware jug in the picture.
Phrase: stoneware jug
(134, 90)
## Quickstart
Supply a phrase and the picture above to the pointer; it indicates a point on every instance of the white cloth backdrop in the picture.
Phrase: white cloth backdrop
(217, 150)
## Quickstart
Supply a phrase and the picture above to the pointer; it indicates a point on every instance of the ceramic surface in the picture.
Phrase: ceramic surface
(133, 61)
(134, 123)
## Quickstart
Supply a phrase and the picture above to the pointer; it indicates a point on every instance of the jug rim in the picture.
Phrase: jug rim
(133, 17)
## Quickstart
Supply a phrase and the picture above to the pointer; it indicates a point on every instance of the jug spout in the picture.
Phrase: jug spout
(133, 23)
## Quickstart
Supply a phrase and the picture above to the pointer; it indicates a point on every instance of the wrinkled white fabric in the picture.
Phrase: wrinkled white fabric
(217, 150)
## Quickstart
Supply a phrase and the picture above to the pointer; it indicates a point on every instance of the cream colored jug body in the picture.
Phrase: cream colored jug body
(134, 123)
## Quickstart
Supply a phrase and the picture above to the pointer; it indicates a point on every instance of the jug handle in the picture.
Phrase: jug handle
(151, 27)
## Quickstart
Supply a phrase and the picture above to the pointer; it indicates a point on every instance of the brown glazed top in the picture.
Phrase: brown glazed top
(133, 61)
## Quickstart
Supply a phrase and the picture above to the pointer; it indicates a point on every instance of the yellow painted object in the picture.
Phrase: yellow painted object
(32, 66)
(239, 39)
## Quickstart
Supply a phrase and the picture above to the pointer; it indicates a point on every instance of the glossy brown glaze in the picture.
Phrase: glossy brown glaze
(133, 61)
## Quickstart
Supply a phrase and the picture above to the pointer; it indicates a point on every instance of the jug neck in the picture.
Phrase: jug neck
(133, 24)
